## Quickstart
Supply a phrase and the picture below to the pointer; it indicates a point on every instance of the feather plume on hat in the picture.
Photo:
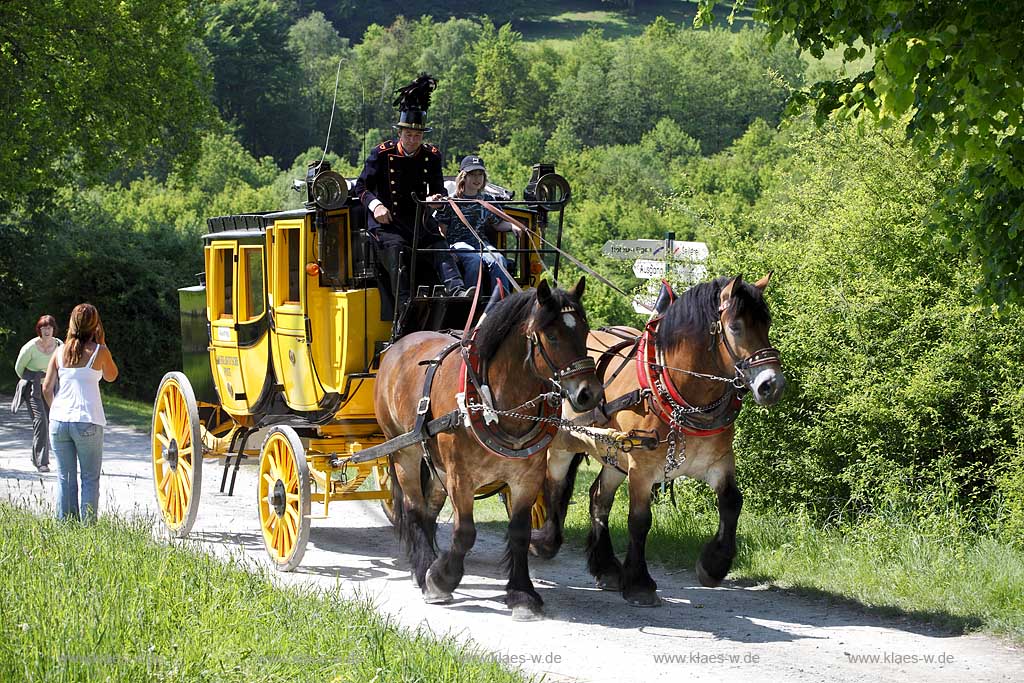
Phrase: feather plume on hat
(413, 101)
(416, 95)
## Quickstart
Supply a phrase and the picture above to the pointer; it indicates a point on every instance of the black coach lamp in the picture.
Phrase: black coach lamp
(548, 189)
(325, 188)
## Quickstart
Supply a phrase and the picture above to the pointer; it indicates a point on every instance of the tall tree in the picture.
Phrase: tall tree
(91, 86)
(257, 77)
(954, 71)
(502, 80)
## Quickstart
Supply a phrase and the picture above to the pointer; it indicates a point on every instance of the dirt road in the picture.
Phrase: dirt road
(728, 633)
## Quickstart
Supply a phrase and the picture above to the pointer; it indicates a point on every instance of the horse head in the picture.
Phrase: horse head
(557, 330)
(741, 338)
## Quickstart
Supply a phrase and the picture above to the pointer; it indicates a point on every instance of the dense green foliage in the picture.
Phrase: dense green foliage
(91, 87)
(953, 71)
(904, 390)
(176, 615)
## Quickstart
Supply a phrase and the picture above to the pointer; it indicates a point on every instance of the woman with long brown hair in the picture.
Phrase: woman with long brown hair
(76, 413)
(31, 368)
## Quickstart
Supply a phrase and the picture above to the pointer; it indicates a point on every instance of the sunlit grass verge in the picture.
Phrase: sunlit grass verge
(128, 412)
(891, 563)
(109, 603)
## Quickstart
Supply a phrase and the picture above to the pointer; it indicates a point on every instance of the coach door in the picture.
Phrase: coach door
(221, 289)
(290, 243)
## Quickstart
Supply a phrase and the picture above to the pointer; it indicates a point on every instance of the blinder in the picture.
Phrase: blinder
(746, 368)
(582, 365)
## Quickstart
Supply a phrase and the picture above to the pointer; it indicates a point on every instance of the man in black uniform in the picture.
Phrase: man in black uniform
(394, 170)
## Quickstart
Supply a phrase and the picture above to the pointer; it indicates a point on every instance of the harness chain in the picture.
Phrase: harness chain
(624, 445)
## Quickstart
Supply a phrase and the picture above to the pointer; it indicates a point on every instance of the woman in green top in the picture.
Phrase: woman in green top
(31, 368)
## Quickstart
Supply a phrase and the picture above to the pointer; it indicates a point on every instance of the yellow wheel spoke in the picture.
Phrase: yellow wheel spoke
(291, 497)
(165, 480)
(167, 424)
(289, 537)
(172, 495)
(164, 441)
(277, 540)
(182, 497)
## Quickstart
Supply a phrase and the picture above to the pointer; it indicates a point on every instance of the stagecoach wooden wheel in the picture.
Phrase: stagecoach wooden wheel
(284, 497)
(177, 453)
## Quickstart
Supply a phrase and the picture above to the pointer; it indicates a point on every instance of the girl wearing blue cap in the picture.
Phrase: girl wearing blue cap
(471, 251)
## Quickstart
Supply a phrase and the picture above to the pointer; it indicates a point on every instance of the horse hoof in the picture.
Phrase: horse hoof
(526, 613)
(437, 598)
(609, 583)
(706, 579)
(644, 600)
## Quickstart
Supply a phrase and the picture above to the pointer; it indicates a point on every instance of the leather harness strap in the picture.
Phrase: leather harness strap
(658, 389)
(493, 437)
(668, 404)
(425, 427)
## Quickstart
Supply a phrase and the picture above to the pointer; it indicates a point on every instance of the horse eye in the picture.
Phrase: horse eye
(735, 327)
(551, 336)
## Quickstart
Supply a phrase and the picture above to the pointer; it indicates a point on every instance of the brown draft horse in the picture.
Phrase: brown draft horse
(709, 348)
(530, 344)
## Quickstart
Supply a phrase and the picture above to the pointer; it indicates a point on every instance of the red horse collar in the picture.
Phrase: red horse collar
(491, 436)
(669, 405)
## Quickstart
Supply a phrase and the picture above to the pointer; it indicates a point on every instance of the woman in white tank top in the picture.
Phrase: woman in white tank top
(76, 412)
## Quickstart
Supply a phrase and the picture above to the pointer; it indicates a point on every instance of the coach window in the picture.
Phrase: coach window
(288, 266)
(251, 289)
(222, 261)
(331, 249)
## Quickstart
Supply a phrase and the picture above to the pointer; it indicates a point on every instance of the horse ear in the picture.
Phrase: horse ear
(577, 291)
(543, 293)
(727, 292)
(763, 282)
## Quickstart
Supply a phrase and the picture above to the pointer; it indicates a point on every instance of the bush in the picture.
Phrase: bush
(903, 391)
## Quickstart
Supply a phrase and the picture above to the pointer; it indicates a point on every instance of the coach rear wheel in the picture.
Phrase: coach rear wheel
(284, 497)
(177, 453)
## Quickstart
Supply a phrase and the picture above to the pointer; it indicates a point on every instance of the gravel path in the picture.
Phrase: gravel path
(728, 633)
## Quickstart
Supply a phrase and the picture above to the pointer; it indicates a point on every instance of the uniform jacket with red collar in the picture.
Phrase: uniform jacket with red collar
(392, 177)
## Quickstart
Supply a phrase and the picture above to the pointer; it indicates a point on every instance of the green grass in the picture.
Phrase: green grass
(108, 603)
(127, 411)
(558, 23)
(892, 564)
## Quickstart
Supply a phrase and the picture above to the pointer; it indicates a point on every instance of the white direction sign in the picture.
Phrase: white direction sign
(631, 249)
(647, 269)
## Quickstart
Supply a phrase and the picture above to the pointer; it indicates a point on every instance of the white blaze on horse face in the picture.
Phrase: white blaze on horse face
(570, 320)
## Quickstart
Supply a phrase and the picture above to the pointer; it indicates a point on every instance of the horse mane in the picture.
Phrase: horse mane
(691, 315)
(510, 316)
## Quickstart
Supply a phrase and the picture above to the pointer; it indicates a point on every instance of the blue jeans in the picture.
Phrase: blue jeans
(77, 443)
(471, 262)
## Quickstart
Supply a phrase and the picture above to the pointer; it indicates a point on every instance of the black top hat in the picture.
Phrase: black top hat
(413, 101)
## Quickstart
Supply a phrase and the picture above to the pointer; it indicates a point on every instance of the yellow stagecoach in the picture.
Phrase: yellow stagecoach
(280, 342)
